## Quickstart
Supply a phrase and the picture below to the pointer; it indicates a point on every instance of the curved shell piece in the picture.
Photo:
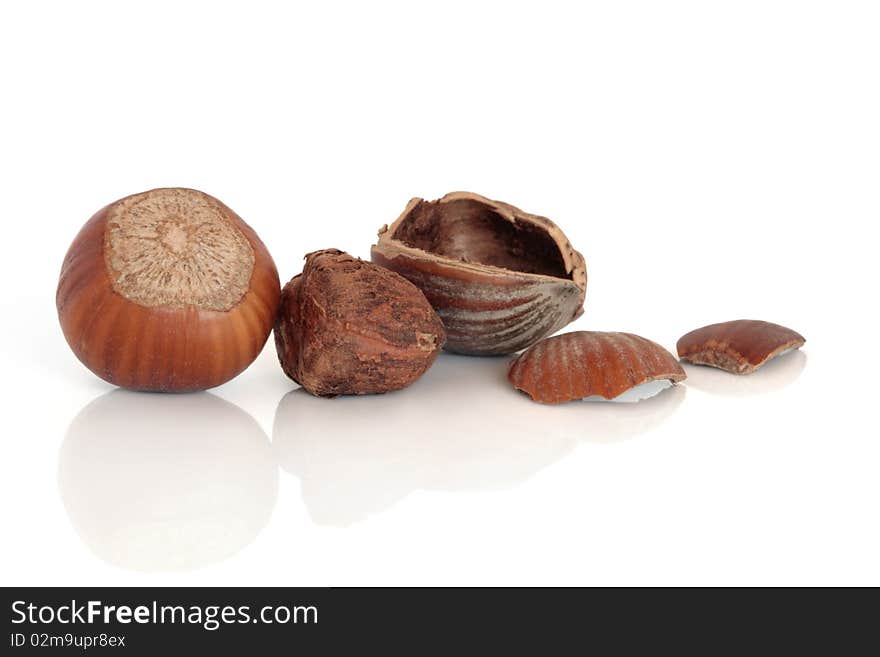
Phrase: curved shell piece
(587, 363)
(499, 278)
(740, 346)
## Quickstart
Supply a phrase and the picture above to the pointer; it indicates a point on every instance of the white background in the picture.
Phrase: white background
(711, 160)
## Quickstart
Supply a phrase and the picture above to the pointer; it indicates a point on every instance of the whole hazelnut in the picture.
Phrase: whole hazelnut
(167, 290)
(349, 327)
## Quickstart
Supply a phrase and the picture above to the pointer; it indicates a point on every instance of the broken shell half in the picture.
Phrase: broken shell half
(500, 279)
(740, 346)
(586, 363)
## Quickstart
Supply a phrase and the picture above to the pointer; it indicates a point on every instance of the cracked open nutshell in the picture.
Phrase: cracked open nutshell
(500, 278)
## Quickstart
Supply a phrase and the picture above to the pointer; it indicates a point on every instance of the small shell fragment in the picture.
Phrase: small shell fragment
(591, 363)
(740, 346)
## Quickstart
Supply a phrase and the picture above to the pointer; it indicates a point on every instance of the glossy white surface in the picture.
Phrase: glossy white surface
(711, 163)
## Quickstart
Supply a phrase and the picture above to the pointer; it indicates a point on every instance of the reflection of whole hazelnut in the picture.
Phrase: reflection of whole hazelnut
(349, 327)
(166, 482)
(167, 290)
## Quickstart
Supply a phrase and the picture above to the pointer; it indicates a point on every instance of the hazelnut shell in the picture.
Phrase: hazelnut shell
(500, 278)
(587, 363)
(349, 327)
(740, 346)
(168, 290)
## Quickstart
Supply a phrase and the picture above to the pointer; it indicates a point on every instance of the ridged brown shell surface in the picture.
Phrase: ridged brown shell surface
(740, 346)
(586, 363)
(500, 278)
(349, 327)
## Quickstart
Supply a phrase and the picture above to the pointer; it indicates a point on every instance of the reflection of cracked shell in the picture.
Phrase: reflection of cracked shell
(500, 278)
(587, 363)
(740, 346)
(349, 327)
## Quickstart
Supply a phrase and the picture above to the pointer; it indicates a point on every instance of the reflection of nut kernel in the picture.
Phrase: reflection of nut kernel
(740, 346)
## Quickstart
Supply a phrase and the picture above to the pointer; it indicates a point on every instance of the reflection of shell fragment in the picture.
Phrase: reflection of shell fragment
(740, 346)
(351, 467)
(591, 363)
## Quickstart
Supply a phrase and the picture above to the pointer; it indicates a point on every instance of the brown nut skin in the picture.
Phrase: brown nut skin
(349, 327)
(740, 346)
(500, 278)
(136, 310)
(585, 363)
